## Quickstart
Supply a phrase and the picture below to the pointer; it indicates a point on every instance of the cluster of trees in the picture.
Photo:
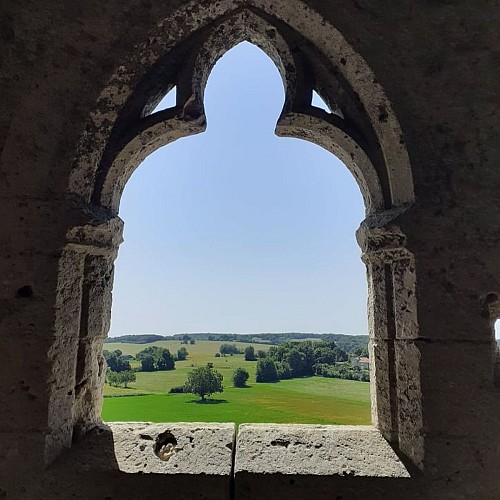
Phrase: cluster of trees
(248, 351)
(155, 358)
(361, 351)
(229, 349)
(117, 361)
(305, 359)
(119, 371)
(299, 359)
(152, 358)
(250, 354)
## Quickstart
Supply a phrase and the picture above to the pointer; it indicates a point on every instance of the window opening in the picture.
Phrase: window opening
(168, 101)
(218, 227)
(319, 102)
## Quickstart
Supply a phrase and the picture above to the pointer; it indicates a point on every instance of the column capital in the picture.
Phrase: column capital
(97, 234)
(381, 237)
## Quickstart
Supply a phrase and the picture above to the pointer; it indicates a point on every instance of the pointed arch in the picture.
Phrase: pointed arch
(288, 32)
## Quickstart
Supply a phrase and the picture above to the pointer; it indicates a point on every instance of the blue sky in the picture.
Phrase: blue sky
(237, 230)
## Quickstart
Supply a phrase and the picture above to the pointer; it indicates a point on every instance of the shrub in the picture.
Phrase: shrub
(176, 390)
(249, 353)
(182, 354)
(240, 377)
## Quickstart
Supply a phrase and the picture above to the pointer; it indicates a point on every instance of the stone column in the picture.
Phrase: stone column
(81, 325)
(392, 314)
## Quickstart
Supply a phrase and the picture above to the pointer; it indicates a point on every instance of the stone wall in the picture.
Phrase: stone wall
(418, 82)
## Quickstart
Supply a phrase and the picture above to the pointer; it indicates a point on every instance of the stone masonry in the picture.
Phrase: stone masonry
(414, 92)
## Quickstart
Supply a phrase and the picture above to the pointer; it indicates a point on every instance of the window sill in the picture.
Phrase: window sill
(319, 450)
(271, 460)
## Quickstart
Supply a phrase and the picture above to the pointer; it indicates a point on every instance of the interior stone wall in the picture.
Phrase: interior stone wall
(437, 63)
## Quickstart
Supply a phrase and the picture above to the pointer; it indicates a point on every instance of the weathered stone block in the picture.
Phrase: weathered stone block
(458, 387)
(184, 460)
(312, 456)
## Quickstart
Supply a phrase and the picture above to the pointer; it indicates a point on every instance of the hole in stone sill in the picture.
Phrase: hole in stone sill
(164, 446)
(280, 442)
(25, 292)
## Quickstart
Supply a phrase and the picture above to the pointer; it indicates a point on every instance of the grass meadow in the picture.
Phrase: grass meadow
(314, 400)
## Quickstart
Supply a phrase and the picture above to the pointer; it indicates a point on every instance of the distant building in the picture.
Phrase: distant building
(362, 362)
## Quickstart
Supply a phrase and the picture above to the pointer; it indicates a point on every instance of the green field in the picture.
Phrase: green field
(306, 400)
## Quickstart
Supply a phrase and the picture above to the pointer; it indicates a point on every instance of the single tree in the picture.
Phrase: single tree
(249, 353)
(261, 354)
(266, 371)
(112, 378)
(204, 381)
(240, 377)
(127, 377)
(120, 378)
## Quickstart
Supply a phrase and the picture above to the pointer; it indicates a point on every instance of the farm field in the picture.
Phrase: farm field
(304, 400)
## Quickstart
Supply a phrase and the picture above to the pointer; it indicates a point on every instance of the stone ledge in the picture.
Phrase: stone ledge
(201, 448)
(315, 450)
(129, 447)
(271, 461)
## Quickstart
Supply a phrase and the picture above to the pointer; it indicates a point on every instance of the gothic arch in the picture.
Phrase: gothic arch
(308, 58)
(362, 130)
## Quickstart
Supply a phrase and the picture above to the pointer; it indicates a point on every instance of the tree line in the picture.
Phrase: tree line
(349, 343)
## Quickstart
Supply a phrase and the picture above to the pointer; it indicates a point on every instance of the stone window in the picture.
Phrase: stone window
(312, 57)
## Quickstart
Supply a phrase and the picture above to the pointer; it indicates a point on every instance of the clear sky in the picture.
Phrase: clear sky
(237, 230)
